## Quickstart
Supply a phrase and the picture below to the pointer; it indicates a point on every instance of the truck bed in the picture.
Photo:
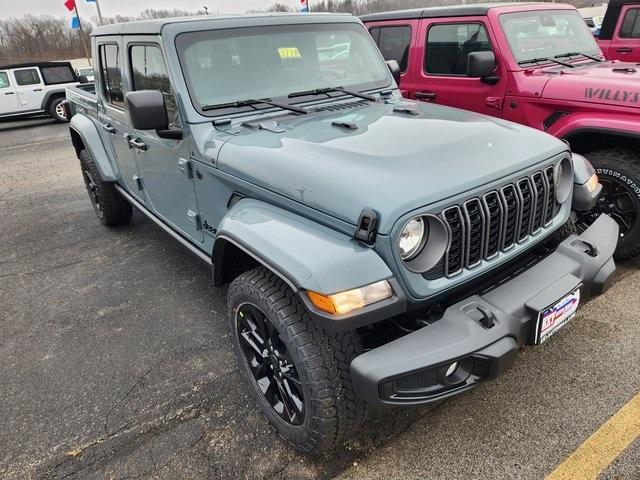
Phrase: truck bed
(82, 98)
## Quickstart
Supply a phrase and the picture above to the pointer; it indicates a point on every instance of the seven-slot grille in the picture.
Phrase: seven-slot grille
(485, 226)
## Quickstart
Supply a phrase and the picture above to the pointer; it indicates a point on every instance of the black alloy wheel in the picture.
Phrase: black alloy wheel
(270, 363)
(297, 373)
(92, 190)
(618, 171)
(110, 207)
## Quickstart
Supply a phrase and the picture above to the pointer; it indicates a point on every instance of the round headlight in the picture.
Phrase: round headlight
(411, 238)
(563, 176)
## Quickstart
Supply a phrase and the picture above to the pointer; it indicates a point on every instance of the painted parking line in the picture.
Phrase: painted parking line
(600, 449)
(34, 144)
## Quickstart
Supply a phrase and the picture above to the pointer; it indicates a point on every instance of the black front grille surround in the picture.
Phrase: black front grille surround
(496, 221)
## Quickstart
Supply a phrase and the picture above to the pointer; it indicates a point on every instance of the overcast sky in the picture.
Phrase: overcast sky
(15, 8)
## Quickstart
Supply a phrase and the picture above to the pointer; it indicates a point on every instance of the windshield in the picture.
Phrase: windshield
(223, 66)
(547, 34)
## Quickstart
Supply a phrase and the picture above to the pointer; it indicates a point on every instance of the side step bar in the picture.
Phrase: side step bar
(186, 243)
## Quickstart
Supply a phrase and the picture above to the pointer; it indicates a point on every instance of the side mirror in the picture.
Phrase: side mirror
(483, 65)
(394, 68)
(147, 110)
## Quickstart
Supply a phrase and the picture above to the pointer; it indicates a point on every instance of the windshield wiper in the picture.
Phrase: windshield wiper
(328, 90)
(575, 54)
(252, 103)
(546, 59)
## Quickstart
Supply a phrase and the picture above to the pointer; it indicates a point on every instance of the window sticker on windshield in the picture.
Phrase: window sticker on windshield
(289, 52)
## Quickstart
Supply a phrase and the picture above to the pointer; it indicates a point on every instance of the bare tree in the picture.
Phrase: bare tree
(38, 38)
(276, 7)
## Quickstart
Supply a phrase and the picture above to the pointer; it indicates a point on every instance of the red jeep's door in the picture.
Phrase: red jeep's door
(441, 77)
(625, 44)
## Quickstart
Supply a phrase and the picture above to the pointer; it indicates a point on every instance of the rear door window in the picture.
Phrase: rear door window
(111, 82)
(393, 42)
(631, 24)
(4, 80)
(61, 74)
(28, 76)
(449, 46)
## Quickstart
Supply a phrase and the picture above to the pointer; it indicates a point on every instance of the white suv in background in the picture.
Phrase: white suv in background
(35, 88)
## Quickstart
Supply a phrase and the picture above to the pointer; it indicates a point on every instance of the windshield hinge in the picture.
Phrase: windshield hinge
(269, 125)
(367, 227)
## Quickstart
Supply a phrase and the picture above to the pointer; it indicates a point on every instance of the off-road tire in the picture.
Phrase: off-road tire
(332, 410)
(622, 166)
(110, 207)
(54, 110)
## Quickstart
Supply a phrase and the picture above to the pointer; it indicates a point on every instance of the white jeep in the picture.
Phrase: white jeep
(35, 88)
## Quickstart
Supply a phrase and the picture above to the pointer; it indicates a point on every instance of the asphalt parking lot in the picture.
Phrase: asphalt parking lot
(115, 361)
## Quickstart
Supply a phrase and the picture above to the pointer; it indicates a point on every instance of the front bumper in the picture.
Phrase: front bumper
(483, 333)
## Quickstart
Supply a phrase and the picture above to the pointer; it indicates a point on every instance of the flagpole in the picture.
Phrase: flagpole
(100, 22)
(81, 31)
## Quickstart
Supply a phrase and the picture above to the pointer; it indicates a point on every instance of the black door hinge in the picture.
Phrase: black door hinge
(367, 225)
(138, 181)
(184, 165)
(194, 218)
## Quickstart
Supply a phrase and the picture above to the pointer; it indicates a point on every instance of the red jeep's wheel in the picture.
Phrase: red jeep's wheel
(619, 174)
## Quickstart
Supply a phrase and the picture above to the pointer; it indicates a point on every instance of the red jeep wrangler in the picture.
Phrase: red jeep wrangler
(619, 37)
(535, 64)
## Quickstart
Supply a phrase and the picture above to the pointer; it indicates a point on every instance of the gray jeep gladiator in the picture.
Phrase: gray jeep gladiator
(379, 251)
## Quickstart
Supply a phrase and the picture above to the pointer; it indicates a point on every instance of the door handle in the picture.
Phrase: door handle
(427, 96)
(624, 50)
(137, 143)
(107, 127)
(10, 93)
(494, 102)
(37, 89)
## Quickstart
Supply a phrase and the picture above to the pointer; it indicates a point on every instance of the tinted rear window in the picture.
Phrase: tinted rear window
(27, 77)
(111, 75)
(61, 74)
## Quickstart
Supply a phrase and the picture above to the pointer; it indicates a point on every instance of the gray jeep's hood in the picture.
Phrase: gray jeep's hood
(392, 163)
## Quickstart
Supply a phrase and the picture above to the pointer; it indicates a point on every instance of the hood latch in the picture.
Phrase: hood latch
(367, 227)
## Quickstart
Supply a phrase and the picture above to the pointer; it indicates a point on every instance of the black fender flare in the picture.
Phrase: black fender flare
(56, 92)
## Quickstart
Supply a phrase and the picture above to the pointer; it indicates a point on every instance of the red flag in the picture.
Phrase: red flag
(70, 4)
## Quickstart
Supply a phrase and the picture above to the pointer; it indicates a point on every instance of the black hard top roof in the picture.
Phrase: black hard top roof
(470, 10)
(37, 64)
(155, 26)
(611, 17)
(619, 3)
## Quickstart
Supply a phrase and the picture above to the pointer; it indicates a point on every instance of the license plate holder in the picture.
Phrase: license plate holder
(556, 315)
